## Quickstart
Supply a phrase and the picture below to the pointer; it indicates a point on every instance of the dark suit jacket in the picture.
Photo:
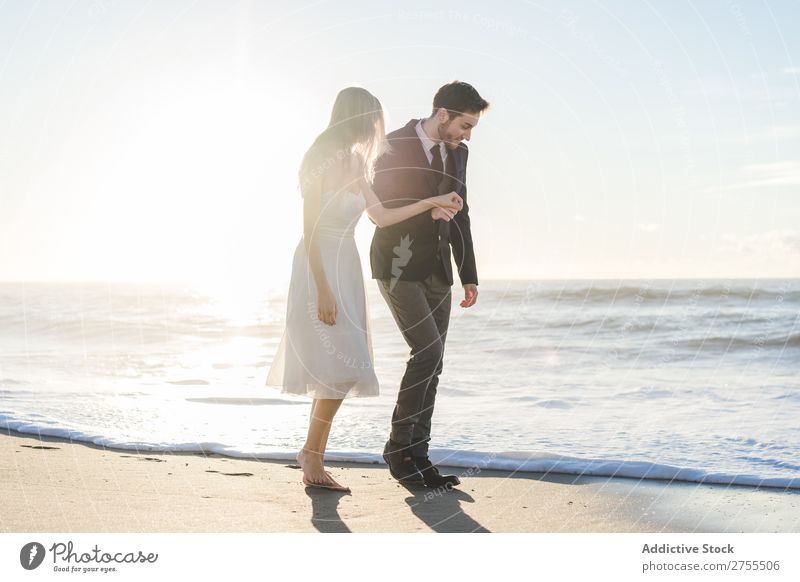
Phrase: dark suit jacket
(411, 249)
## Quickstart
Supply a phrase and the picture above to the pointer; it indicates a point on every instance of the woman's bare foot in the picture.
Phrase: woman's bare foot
(314, 473)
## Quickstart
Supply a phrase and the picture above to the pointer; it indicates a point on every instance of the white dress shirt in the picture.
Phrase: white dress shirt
(428, 143)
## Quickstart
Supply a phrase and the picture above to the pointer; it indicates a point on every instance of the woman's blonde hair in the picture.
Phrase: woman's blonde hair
(356, 128)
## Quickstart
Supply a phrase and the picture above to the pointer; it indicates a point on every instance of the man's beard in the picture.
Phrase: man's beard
(449, 143)
(440, 132)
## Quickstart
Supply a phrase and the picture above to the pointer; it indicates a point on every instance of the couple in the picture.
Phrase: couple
(411, 183)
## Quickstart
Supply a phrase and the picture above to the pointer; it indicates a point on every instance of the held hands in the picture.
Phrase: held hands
(439, 213)
(326, 307)
(446, 206)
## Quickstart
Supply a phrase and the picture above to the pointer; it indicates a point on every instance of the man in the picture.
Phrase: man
(411, 261)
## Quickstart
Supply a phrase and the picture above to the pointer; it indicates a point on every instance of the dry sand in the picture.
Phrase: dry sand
(55, 485)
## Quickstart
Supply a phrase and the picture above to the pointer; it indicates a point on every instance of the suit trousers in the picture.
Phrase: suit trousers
(421, 310)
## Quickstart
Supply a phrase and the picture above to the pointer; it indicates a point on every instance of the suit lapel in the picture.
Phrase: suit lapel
(458, 170)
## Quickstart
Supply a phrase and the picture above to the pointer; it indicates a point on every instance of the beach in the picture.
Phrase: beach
(54, 485)
(692, 381)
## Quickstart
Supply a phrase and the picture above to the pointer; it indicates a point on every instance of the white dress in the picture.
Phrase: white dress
(315, 359)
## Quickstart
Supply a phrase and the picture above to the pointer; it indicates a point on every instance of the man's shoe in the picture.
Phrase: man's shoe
(431, 475)
(401, 465)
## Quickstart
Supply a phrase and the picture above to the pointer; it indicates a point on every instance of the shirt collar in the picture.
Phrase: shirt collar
(427, 143)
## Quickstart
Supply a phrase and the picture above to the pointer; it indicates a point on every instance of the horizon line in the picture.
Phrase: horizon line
(493, 279)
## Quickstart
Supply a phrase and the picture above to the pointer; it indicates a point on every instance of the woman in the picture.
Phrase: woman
(326, 349)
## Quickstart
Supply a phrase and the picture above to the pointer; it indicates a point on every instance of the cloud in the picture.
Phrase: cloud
(773, 242)
(741, 90)
(648, 227)
(791, 70)
(769, 134)
(783, 173)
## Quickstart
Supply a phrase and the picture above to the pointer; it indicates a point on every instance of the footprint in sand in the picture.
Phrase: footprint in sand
(230, 474)
(41, 447)
(145, 458)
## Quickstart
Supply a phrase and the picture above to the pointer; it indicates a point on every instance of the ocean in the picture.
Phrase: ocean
(686, 380)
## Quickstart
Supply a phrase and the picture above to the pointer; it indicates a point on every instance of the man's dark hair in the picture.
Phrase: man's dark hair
(459, 97)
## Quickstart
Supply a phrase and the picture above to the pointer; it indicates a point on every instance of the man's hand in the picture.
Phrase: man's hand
(440, 213)
(470, 295)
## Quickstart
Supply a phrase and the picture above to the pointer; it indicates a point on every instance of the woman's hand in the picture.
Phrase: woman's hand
(445, 206)
(451, 201)
(326, 307)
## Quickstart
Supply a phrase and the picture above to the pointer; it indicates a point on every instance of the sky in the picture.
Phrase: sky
(159, 141)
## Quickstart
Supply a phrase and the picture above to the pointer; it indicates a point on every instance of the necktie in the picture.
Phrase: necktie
(436, 163)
